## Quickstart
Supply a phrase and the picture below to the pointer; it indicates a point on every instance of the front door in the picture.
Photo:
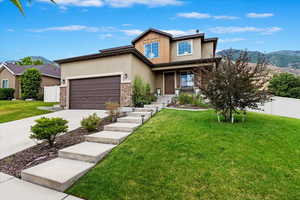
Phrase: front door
(169, 82)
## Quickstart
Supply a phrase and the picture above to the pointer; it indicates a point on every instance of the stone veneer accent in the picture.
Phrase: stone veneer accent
(63, 96)
(126, 94)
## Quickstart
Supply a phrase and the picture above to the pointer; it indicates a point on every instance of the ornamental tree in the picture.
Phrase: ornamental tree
(233, 86)
(48, 128)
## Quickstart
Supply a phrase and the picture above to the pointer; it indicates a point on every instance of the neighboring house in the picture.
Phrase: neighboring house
(163, 61)
(10, 76)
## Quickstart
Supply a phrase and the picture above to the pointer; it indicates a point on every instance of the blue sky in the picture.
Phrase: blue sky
(78, 27)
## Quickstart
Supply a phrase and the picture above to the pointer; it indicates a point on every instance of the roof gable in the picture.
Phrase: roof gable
(153, 31)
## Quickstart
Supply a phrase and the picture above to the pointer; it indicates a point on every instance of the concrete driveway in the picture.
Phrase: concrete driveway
(14, 136)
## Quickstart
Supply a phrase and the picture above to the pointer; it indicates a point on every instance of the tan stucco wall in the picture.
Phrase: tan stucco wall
(144, 71)
(113, 64)
(164, 46)
(5, 74)
(196, 51)
(207, 50)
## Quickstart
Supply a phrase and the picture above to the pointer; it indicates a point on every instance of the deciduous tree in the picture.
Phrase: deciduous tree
(233, 86)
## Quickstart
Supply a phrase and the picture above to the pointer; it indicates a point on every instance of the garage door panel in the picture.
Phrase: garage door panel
(93, 93)
(96, 91)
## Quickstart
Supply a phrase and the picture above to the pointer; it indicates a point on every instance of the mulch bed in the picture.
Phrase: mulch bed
(14, 164)
(187, 106)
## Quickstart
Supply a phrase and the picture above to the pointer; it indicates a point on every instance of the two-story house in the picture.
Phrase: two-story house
(163, 61)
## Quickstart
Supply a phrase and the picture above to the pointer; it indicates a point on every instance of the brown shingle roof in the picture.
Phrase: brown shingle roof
(46, 70)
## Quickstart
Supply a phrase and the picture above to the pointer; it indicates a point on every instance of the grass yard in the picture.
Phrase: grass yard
(188, 155)
(14, 110)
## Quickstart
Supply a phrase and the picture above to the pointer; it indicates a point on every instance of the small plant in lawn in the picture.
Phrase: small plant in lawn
(113, 110)
(91, 123)
(48, 128)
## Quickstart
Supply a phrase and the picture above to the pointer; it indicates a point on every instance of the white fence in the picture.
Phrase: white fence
(283, 106)
(51, 94)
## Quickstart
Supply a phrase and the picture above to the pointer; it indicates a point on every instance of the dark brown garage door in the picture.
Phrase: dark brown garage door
(93, 93)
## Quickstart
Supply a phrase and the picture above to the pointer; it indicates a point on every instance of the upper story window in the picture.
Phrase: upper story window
(152, 50)
(184, 48)
(5, 84)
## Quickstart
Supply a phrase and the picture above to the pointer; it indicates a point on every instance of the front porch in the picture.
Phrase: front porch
(174, 81)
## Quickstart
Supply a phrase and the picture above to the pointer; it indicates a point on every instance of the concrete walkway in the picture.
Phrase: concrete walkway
(15, 189)
(14, 136)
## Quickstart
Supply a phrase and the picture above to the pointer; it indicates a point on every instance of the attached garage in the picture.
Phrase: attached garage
(93, 93)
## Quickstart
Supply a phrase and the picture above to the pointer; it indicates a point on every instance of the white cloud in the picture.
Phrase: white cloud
(180, 32)
(226, 17)
(198, 15)
(126, 24)
(151, 3)
(115, 3)
(229, 40)
(105, 36)
(132, 32)
(236, 29)
(194, 15)
(81, 3)
(67, 28)
(10, 29)
(259, 15)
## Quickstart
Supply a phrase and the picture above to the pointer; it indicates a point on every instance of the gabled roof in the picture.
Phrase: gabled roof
(46, 70)
(109, 52)
(151, 30)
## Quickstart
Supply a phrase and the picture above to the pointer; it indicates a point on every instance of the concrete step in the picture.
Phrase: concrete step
(58, 174)
(153, 109)
(154, 106)
(123, 127)
(139, 114)
(86, 152)
(108, 137)
(129, 119)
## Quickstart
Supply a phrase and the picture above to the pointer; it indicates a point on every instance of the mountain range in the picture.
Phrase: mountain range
(285, 60)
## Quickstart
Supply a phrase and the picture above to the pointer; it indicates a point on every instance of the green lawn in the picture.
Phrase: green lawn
(188, 155)
(14, 110)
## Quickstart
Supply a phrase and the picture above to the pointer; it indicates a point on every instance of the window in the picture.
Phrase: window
(186, 79)
(5, 84)
(184, 48)
(152, 50)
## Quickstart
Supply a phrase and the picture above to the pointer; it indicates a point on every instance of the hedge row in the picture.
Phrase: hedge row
(7, 93)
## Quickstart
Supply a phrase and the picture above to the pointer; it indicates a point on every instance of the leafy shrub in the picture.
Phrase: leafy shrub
(113, 110)
(191, 99)
(48, 128)
(185, 98)
(142, 93)
(6, 93)
(284, 85)
(295, 92)
(30, 83)
(91, 123)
